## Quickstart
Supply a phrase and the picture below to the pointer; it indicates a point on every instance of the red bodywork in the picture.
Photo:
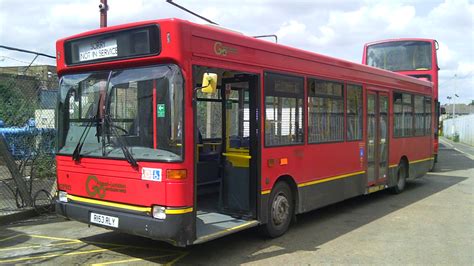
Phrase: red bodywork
(192, 44)
(433, 72)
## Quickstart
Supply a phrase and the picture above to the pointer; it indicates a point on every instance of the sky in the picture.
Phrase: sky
(338, 28)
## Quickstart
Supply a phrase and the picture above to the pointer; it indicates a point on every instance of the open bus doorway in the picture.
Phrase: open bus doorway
(226, 153)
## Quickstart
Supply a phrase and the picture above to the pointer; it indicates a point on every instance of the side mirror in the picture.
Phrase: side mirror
(209, 83)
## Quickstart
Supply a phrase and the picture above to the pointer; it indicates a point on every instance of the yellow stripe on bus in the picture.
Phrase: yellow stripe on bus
(178, 211)
(329, 179)
(417, 161)
(110, 204)
(422, 160)
(264, 192)
(126, 206)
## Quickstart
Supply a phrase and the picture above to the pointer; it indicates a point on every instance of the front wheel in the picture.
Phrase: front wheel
(401, 179)
(280, 210)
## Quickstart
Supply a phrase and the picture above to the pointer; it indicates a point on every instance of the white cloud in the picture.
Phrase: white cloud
(337, 28)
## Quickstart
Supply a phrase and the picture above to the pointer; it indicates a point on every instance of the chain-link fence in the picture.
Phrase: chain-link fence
(27, 138)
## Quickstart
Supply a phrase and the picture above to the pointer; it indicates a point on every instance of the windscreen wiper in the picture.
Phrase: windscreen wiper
(76, 155)
(122, 144)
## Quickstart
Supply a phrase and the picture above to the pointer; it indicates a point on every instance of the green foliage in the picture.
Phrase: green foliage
(456, 137)
(44, 166)
(15, 108)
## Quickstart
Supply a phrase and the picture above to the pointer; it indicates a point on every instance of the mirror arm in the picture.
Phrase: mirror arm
(195, 93)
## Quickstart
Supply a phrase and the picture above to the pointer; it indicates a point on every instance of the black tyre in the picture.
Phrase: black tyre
(280, 210)
(401, 178)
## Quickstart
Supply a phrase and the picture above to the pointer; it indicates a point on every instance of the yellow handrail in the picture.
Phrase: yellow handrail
(237, 155)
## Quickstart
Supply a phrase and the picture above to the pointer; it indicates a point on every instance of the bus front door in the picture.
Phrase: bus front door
(377, 140)
(239, 147)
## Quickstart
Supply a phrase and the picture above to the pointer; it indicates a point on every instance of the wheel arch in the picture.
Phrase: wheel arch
(288, 179)
(404, 160)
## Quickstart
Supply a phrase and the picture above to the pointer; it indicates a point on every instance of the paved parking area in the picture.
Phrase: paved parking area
(432, 222)
(35, 248)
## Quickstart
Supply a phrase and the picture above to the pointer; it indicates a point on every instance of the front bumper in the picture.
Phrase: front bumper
(175, 229)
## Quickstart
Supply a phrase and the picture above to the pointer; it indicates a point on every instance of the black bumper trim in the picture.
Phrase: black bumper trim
(175, 229)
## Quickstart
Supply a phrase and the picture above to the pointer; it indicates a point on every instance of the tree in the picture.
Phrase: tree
(15, 107)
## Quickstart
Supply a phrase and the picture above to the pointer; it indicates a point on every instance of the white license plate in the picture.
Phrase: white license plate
(104, 220)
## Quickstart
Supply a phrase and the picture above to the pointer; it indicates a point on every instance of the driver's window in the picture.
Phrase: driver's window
(123, 106)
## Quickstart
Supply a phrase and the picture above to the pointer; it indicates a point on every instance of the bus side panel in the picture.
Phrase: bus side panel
(419, 159)
(322, 194)
(324, 173)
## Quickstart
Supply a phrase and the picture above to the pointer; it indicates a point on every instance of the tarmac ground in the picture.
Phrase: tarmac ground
(431, 222)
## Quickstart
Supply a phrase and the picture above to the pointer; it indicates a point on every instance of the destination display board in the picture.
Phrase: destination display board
(142, 41)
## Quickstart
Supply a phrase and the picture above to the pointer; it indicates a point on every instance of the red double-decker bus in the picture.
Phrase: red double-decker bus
(185, 133)
(413, 57)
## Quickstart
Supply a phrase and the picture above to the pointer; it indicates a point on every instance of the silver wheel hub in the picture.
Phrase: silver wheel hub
(280, 210)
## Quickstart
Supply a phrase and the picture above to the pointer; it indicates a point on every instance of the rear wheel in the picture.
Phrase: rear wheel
(401, 178)
(280, 210)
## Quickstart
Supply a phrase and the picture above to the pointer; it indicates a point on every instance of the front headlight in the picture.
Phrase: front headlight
(158, 212)
(62, 195)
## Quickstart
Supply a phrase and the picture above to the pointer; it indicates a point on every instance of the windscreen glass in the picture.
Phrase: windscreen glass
(140, 108)
(400, 56)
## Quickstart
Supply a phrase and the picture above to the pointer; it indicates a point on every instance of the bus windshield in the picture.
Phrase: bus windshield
(140, 108)
(400, 55)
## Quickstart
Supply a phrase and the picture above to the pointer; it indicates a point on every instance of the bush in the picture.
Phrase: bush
(456, 137)
(44, 166)
(15, 108)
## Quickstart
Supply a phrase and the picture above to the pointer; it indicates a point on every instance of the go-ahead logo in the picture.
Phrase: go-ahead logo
(223, 50)
(94, 187)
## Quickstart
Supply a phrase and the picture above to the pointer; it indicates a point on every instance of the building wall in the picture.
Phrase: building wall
(462, 126)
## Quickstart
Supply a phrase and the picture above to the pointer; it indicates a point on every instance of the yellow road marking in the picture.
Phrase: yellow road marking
(60, 254)
(11, 237)
(177, 259)
(39, 246)
(56, 238)
(70, 241)
(132, 260)
(329, 179)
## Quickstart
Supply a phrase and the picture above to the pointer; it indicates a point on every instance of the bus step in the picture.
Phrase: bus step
(375, 189)
(212, 225)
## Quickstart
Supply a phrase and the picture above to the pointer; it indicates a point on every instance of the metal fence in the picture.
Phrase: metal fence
(460, 129)
(27, 134)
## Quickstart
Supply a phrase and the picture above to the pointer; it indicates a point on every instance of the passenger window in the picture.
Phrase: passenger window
(419, 116)
(325, 111)
(427, 116)
(403, 115)
(354, 112)
(283, 109)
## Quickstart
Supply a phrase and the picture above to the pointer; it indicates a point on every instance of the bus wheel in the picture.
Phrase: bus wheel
(281, 210)
(401, 178)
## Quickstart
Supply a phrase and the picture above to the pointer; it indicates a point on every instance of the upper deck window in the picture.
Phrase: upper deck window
(115, 45)
(400, 56)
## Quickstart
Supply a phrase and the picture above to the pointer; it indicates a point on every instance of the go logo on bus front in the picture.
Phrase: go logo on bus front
(223, 50)
(96, 188)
